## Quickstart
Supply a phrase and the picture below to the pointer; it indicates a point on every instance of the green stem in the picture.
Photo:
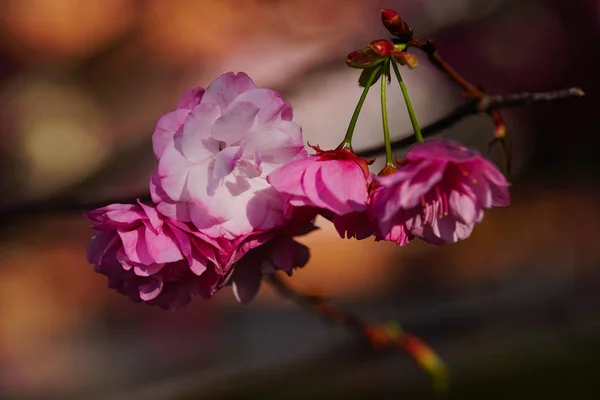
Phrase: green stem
(409, 107)
(389, 158)
(347, 142)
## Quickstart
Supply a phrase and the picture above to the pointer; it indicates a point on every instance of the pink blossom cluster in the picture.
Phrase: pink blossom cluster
(234, 184)
(215, 220)
(437, 193)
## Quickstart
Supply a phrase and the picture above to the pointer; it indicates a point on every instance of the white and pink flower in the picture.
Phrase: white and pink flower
(215, 152)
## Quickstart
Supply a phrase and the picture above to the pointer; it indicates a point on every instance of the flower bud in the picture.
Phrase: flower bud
(382, 47)
(405, 58)
(396, 25)
(362, 58)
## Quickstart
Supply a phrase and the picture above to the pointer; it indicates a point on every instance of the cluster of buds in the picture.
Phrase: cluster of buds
(378, 51)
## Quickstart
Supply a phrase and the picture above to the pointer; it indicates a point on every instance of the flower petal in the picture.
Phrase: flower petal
(246, 280)
(195, 141)
(235, 122)
(165, 130)
(173, 169)
(226, 161)
(442, 150)
(151, 290)
(191, 98)
(226, 88)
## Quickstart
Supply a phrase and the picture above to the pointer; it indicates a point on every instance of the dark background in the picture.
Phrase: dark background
(512, 310)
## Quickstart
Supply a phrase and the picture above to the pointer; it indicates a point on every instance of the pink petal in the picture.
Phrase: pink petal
(195, 142)
(201, 218)
(500, 196)
(115, 216)
(155, 220)
(123, 260)
(277, 144)
(162, 247)
(492, 173)
(287, 178)
(475, 185)
(269, 102)
(101, 241)
(313, 188)
(246, 280)
(235, 123)
(345, 180)
(441, 150)
(151, 290)
(226, 161)
(165, 130)
(147, 270)
(176, 210)
(226, 88)
(191, 98)
(446, 229)
(424, 178)
(464, 208)
(198, 266)
(134, 245)
(173, 169)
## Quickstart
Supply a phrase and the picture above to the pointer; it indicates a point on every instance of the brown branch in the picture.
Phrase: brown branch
(379, 337)
(471, 91)
(473, 107)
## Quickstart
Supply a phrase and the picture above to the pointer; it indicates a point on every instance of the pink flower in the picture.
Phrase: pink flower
(334, 181)
(281, 253)
(398, 232)
(151, 258)
(215, 152)
(438, 194)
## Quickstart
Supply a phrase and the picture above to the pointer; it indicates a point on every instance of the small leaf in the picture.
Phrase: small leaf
(364, 76)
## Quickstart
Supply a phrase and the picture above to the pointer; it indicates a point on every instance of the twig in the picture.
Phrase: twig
(474, 107)
(471, 91)
(379, 337)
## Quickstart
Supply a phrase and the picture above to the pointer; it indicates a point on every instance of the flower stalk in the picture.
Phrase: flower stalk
(389, 157)
(347, 142)
(409, 107)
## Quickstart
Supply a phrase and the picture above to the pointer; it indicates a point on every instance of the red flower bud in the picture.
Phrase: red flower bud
(382, 47)
(362, 58)
(396, 25)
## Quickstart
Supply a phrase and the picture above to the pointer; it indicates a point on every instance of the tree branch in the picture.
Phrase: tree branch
(379, 337)
(473, 107)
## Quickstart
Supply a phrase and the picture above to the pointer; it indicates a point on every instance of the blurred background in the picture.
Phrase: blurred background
(513, 310)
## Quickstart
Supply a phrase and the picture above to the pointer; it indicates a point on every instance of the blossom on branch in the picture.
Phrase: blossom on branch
(151, 258)
(438, 193)
(215, 152)
(334, 182)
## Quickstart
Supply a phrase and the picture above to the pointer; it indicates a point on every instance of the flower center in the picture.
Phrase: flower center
(434, 202)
